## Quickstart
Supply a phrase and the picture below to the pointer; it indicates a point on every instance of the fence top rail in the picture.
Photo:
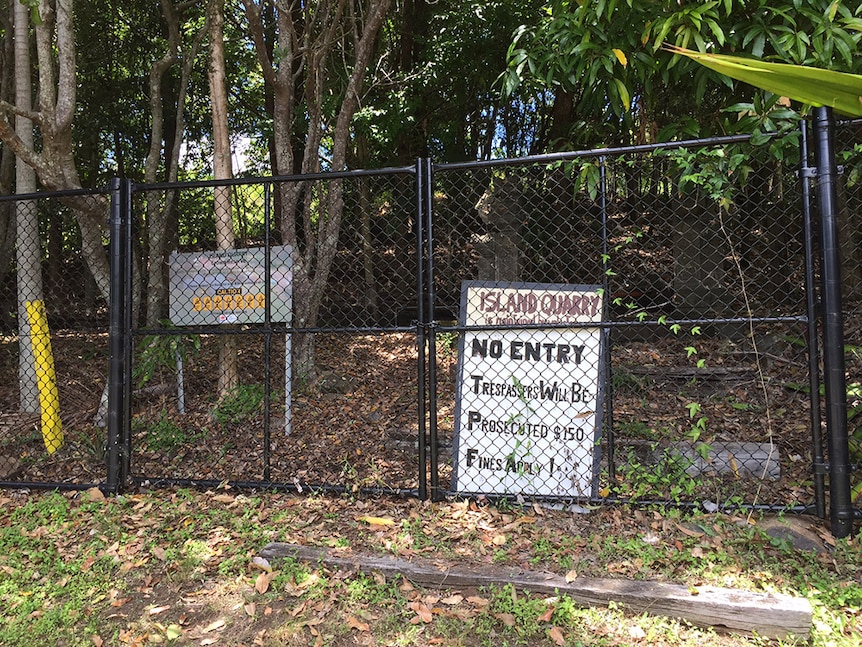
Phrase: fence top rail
(42, 195)
(276, 179)
(565, 156)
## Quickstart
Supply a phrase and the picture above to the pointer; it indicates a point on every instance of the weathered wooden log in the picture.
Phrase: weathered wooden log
(742, 459)
(770, 615)
(748, 460)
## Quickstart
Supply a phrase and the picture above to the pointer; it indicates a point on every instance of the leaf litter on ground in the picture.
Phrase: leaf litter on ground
(184, 565)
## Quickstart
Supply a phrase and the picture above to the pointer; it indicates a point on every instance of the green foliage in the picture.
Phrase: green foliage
(666, 478)
(243, 402)
(164, 434)
(607, 56)
(158, 352)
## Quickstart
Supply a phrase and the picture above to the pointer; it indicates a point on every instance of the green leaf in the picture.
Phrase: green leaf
(624, 93)
(814, 86)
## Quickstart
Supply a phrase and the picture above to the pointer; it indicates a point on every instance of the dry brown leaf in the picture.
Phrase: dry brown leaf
(571, 576)
(157, 610)
(357, 624)
(214, 626)
(688, 531)
(506, 618)
(94, 494)
(453, 600)
(224, 498)
(250, 609)
(477, 601)
(556, 634)
(547, 615)
(423, 613)
(499, 540)
(261, 583)
(97, 641)
(159, 552)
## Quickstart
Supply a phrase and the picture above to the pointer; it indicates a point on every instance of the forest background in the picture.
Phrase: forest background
(170, 90)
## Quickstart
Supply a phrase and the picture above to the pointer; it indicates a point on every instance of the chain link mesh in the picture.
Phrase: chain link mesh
(849, 148)
(629, 326)
(704, 367)
(350, 419)
(53, 320)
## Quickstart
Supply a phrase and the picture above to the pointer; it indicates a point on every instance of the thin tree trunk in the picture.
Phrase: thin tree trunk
(228, 373)
(29, 274)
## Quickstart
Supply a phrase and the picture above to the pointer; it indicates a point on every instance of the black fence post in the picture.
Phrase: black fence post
(840, 504)
(116, 336)
(818, 463)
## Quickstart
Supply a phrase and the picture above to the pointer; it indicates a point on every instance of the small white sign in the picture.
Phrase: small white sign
(527, 409)
(229, 286)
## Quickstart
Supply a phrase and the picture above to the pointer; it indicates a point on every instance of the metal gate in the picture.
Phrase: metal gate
(703, 373)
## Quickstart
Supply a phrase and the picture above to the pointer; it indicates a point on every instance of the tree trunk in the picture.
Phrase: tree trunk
(228, 374)
(161, 209)
(309, 45)
(28, 249)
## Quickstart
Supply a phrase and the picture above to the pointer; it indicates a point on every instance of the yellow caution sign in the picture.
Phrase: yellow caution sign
(46, 380)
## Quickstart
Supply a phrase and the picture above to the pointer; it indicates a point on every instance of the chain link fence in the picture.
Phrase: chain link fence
(295, 365)
(53, 335)
(849, 154)
(611, 325)
(703, 371)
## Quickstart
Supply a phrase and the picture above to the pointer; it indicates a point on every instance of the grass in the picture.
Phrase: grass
(178, 568)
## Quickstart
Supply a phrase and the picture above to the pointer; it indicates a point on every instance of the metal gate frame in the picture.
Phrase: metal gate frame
(825, 311)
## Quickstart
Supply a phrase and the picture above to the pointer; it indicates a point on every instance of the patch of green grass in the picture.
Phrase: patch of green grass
(242, 403)
(165, 434)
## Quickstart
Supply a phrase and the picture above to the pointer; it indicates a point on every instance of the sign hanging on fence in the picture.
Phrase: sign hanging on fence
(527, 411)
(229, 286)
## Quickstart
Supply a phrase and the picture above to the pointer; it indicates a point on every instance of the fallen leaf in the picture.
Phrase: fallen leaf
(261, 583)
(637, 632)
(250, 609)
(423, 613)
(547, 615)
(157, 610)
(214, 626)
(159, 552)
(452, 600)
(571, 576)
(506, 618)
(224, 498)
(94, 494)
(477, 601)
(688, 531)
(354, 623)
(97, 641)
(556, 634)
(172, 632)
(376, 521)
(261, 563)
